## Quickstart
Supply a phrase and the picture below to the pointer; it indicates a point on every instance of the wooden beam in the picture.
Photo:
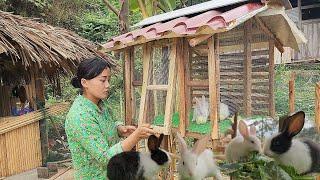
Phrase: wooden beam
(212, 71)
(217, 75)
(187, 78)
(291, 93)
(202, 83)
(128, 89)
(157, 87)
(247, 64)
(317, 107)
(181, 55)
(277, 42)
(199, 39)
(272, 111)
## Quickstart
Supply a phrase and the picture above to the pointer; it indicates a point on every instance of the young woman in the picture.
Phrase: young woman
(92, 136)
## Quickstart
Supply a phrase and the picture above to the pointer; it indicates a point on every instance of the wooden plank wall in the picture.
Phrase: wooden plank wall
(20, 150)
(311, 50)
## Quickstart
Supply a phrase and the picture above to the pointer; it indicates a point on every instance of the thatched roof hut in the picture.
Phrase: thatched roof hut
(27, 45)
(29, 52)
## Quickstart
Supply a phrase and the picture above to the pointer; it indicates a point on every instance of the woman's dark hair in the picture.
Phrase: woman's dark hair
(89, 69)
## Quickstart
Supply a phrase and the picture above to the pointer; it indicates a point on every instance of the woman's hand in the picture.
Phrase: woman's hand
(125, 131)
(143, 131)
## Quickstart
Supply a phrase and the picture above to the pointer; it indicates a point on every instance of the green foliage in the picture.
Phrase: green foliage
(257, 166)
(98, 27)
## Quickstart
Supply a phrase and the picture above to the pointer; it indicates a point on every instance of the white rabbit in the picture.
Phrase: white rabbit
(302, 154)
(201, 111)
(241, 146)
(197, 163)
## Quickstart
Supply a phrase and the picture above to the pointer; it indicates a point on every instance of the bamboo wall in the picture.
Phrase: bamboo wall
(20, 150)
(20, 145)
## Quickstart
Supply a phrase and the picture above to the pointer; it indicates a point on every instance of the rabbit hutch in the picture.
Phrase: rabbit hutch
(31, 52)
(220, 53)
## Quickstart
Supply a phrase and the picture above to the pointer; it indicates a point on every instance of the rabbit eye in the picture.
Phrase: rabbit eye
(183, 162)
(276, 143)
(252, 142)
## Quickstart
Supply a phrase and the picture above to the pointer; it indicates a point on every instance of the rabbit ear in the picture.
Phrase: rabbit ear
(152, 143)
(200, 145)
(295, 124)
(203, 99)
(182, 143)
(243, 128)
(253, 130)
(283, 123)
(160, 140)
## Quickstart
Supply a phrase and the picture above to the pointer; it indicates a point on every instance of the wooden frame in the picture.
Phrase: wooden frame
(170, 88)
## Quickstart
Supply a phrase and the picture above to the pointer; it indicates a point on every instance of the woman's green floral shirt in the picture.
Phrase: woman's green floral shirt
(91, 137)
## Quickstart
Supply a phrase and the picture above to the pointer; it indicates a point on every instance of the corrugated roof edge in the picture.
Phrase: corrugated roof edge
(206, 6)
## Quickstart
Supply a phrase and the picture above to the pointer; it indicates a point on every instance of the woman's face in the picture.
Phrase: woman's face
(98, 87)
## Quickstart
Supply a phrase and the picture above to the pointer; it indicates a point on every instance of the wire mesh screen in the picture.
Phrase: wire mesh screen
(160, 65)
(158, 79)
(137, 64)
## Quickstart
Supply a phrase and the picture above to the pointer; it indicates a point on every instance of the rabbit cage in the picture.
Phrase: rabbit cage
(225, 54)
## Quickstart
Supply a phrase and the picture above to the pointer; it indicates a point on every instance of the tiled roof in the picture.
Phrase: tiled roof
(204, 23)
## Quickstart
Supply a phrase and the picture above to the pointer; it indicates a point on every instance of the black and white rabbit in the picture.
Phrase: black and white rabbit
(139, 165)
(302, 154)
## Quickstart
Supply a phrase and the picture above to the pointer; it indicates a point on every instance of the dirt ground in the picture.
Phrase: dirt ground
(33, 175)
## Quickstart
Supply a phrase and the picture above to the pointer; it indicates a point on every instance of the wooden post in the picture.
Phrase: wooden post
(247, 68)
(128, 88)
(40, 101)
(181, 55)
(272, 111)
(213, 45)
(187, 61)
(291, 93)
(317, 107)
